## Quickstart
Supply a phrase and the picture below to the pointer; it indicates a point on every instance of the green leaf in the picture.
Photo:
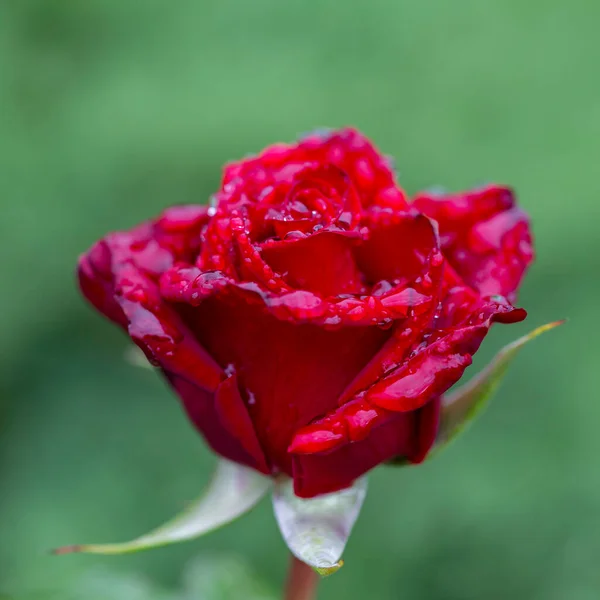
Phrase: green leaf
(316, 529)
(233, 491)
(462, 406)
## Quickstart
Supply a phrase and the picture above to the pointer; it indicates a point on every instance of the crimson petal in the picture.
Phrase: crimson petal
(330, 471)
(398, 246)
(121, 286)
(385, 436)
(485, 237)
(368, 429)
(291, 373)
(347, 149)
(322, 263)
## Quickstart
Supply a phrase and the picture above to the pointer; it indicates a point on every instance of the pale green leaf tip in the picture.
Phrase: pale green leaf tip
(327, 571)
(543, 328)
(110, 549)
(97, 549)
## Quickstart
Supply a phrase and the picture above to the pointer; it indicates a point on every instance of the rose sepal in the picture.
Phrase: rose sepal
(233, 491)
(316, 529)
(460, 407)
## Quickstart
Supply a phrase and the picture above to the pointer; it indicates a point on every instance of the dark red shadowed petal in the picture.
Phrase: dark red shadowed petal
(316, 474)
(117, 276)
(322, 263)
(96, 282)
(428, 422)
(347, 149)
(374, 436)
(234, 415)
(126, 292)
(210, 414)
(159, 332)
(440, 360)
(293, 372)
(485, 237)
(411, 389)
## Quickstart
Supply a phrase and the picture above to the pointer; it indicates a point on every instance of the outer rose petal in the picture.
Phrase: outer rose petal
(347, 149)
(95, 281)
(331, 471)
(393, 435)
(223, 419)
(337, 441)
(440, 360)
(292, 372)
(201, 410)
(111, 279)
(485, 237)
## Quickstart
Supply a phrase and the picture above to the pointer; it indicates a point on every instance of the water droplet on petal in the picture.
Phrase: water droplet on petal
(437, 259)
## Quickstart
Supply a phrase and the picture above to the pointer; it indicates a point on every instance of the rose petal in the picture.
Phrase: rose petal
(293, 371)
(363, 432)
(322, 263)
(439, 362)
(337, 469)
(180, 228)
(414, 384)
(201, 410)
(428, 285)
(95, 281)
(347, 149)
(398, 247)
(484, 236)
(234, 415)
(354, 438)
(112, 280)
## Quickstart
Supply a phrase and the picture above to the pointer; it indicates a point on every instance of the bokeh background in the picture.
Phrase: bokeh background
(112, 110)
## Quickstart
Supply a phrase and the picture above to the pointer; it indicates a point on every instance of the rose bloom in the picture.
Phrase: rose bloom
(312, 317)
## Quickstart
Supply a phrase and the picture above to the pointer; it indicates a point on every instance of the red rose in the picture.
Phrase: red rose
(311, 318)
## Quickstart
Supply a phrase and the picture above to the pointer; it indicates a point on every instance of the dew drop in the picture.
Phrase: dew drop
(437, 259)
(427, 283)
(212, 206)
(381, 288)
(385, 323)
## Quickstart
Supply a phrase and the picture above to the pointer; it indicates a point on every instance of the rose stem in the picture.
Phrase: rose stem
(301, 582)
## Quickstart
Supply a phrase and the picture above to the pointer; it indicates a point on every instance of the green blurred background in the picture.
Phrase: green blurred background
(112, 110)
